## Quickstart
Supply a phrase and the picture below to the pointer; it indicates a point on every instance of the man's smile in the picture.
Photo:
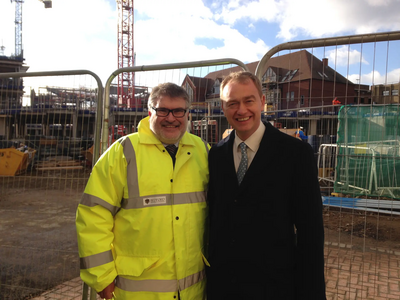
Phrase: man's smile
(243, 119)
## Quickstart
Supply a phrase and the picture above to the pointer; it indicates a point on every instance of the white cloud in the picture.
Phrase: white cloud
(265, 10)
(162, 39)
(7, 17)
(344, 56)
(70, 35)
(375, 77)
(316, 18)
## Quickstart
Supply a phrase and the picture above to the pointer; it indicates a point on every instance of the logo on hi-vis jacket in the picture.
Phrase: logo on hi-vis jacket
(154, 201)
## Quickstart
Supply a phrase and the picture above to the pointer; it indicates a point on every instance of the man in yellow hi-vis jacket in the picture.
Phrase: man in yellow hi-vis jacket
(141, 220)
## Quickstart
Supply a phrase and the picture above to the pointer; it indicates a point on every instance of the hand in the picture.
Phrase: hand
(107, 293)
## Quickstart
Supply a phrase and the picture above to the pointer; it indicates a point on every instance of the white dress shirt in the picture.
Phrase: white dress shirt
(253, 143)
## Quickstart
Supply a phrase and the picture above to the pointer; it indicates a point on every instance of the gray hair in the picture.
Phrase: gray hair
(167, 89)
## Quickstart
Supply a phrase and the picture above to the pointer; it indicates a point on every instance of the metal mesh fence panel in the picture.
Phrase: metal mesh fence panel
(343, 93)
(47, 133)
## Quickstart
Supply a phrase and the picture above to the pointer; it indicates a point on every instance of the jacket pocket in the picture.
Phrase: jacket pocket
(134, 265)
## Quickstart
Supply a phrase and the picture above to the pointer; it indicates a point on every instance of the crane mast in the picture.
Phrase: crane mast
(126, 89)
(18, 28)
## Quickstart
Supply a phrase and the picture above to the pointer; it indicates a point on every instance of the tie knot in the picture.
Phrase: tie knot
(171, 149)
(243, 146)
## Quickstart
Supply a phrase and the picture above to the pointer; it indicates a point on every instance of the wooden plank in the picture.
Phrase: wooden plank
(68, 163)
(60, 168)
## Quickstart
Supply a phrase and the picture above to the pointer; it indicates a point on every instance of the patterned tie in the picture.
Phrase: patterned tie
(172, 151)
(243, 163)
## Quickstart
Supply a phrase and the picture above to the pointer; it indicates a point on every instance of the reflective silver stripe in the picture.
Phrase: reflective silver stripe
(189, 198)
(132, 174)
(191, 280)
(157, 286)
(90, 200)
(163, 200)
(96, 260)
(205, 144)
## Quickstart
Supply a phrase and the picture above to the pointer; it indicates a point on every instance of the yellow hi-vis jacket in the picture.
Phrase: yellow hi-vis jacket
(142, 222)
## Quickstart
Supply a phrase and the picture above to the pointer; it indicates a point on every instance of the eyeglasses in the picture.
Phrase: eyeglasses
(164, 112)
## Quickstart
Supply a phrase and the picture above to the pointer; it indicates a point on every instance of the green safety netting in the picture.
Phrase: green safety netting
(368, 151)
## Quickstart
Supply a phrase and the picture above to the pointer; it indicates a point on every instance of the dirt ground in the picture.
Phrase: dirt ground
(362, 230)
(38, 248)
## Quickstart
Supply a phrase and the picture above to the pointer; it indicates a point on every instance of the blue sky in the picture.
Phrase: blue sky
(83, 34)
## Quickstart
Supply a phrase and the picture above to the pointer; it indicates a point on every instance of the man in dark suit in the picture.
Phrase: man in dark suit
(266, 228)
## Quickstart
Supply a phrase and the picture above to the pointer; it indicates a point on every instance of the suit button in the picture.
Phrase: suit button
(235, 201)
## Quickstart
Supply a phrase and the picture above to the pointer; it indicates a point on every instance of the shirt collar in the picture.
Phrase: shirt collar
(253, 142)
(176, 144)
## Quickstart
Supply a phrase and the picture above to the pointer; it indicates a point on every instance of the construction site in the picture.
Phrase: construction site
(51, 136)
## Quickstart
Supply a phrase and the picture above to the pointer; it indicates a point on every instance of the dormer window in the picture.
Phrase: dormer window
(291, 75)
(269, 76)
(323, 75)
(287, 74)
(216, 87)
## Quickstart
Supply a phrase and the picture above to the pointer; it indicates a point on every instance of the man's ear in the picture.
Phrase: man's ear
(262, 102)
(149, 113)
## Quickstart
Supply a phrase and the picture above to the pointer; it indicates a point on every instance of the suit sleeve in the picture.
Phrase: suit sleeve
(310, 282)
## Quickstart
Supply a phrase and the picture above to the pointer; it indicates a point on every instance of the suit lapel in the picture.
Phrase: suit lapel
(228, 153)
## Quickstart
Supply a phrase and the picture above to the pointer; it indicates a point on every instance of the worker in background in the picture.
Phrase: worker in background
(300, 134)
(266, 229)
(141, 219)
(336, 102)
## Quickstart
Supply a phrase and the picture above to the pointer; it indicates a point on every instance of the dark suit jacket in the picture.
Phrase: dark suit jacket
(254, 252)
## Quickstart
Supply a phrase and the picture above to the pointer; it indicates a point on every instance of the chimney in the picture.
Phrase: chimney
(325, 62)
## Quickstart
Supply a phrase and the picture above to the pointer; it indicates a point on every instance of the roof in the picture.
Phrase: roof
(307, 65)
(220, 74)
(201, 82)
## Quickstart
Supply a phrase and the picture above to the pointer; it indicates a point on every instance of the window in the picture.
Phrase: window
(290, 95)
(287, 74)
(385, 93)
(269, 76)
(189, 90)
(216, 87)
(395, 92)
(291, 75)
(323, 75)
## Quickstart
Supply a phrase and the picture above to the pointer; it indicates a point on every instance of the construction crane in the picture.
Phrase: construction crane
(126, 55)
(18, 25)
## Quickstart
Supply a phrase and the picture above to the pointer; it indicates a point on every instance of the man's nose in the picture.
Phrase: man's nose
(170, 117)
(242, 108)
